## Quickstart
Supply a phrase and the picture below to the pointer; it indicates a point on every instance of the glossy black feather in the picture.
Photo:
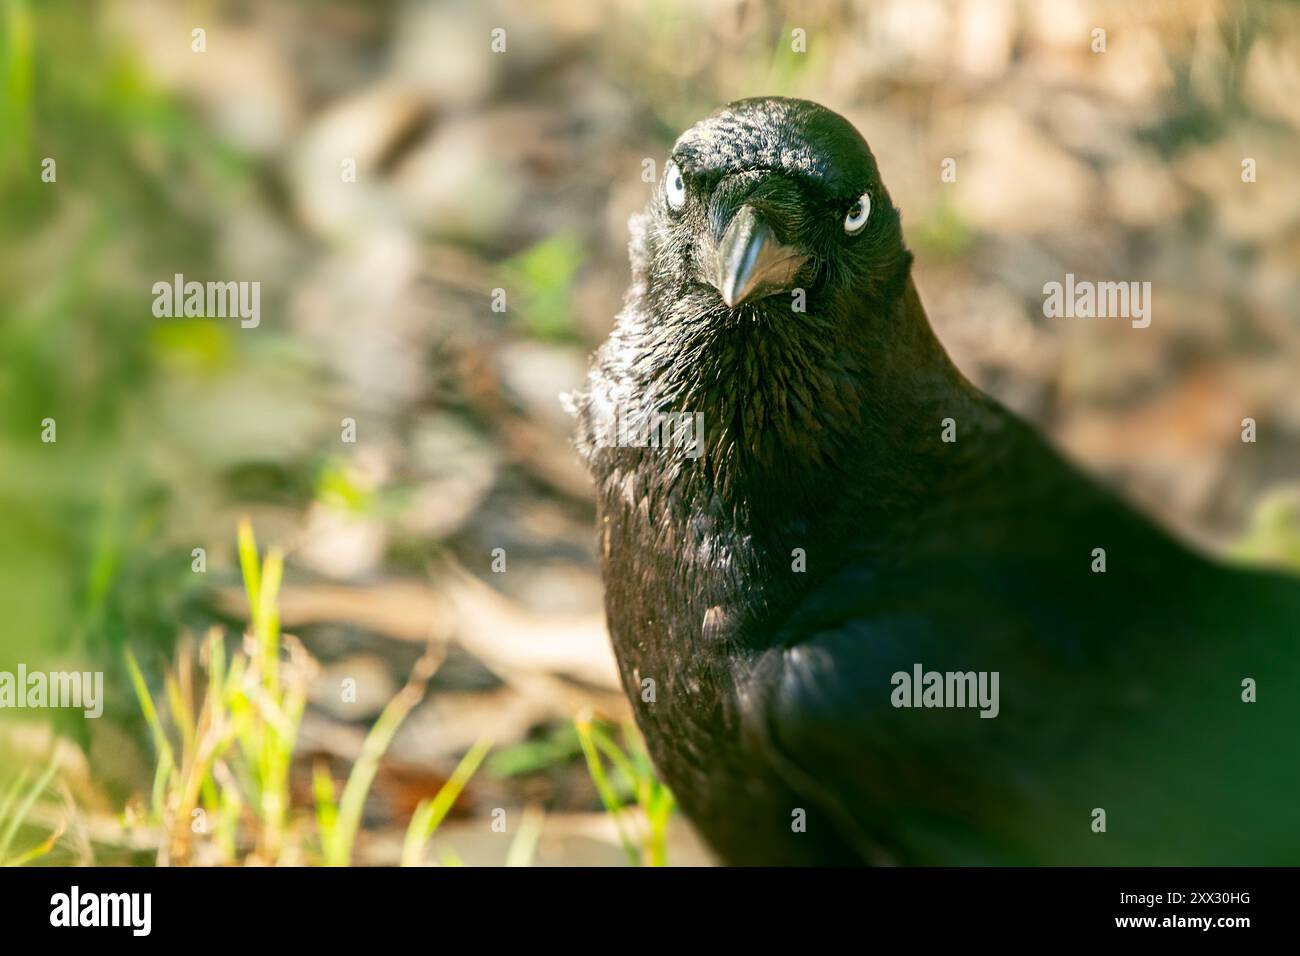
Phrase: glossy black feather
(771, 685)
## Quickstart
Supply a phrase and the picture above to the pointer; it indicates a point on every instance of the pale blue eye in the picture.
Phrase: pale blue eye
(857, 215)
(674, 187)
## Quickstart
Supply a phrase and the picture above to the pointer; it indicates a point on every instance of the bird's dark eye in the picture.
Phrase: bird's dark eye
(856, 220)
(674, 187)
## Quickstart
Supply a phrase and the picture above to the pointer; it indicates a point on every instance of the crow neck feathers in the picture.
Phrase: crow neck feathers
(820, 423)
(806, 417)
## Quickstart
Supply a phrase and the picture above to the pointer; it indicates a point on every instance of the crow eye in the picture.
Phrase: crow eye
(674, 187)
(857, 215)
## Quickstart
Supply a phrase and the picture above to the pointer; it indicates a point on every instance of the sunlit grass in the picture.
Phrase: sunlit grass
(221, 789)
(16, 803)
(630, 778)
(430, 813)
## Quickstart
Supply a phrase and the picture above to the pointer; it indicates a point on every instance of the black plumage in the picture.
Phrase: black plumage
(763, 587)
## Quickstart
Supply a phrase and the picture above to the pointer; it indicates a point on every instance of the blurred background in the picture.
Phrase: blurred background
(516, 168)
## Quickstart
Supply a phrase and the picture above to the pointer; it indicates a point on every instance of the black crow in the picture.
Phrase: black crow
(864, 613)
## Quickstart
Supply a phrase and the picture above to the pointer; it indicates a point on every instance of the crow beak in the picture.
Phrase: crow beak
(752, 262)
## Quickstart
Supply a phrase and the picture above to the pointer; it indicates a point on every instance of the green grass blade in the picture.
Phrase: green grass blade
(150, 712)
(38, 851)
(363, 773)
(11, 795)
(438, 808)
(327, 810)
(16, 819)
(523, 848)
(413, 843)
(603, 787)
(251, 568)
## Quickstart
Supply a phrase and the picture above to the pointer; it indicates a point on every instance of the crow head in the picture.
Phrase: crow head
(769, 209)
(770, 302)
